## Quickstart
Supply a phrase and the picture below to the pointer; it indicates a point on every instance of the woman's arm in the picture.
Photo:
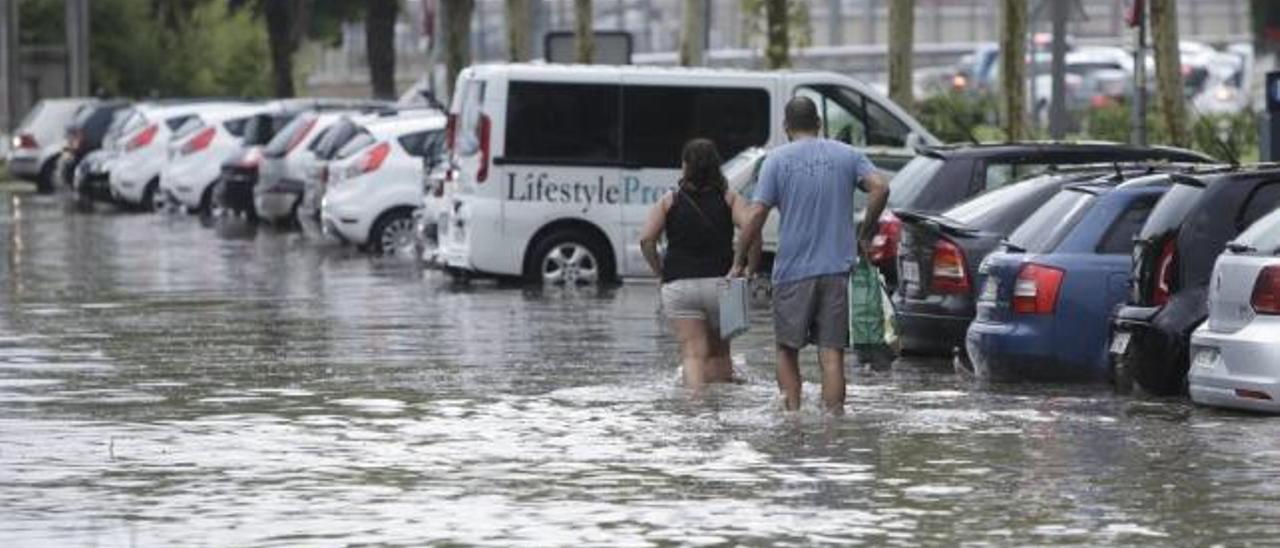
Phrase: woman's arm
(652, 230)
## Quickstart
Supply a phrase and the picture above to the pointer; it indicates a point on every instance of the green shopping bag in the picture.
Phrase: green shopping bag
(871, 332)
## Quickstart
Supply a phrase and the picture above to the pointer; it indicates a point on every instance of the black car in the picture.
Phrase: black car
(1173, 258)
(941, 177)
(240, 171)
(939, 255)
(85, 134)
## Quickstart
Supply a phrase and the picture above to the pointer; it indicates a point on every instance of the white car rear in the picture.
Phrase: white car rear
(38, 140)
(1235, 355)
(375, 183)
(196, 152)
(135, 175)
(281, 175)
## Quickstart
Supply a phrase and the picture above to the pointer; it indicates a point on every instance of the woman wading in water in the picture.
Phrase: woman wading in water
(698, 219)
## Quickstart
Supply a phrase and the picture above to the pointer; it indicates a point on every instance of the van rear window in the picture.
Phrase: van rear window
(659, 120)
(562, 123)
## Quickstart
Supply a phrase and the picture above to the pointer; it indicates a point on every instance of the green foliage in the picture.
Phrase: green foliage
(799, 27)
(40, 22)
(1231, 138)
(954, 117)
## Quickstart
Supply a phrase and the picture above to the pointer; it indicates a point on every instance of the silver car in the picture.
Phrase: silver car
(1235, 355)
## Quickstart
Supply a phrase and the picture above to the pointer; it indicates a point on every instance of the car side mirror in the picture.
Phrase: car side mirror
(914, 142)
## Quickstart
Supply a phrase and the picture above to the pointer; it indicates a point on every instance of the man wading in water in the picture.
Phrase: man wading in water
(812, 181)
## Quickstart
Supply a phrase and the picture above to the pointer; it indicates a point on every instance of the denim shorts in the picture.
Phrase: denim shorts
(693, 299)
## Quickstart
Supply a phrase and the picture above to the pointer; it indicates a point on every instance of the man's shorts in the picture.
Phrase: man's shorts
(812, 311)
(693, 299)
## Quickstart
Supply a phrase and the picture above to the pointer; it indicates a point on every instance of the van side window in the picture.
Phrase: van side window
(659, 120)
(562, 123)
(843, 117)
(1119, 238)
(1264, 200)
(884, 129)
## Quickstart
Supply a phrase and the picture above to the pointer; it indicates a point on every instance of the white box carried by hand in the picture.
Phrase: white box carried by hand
(735, 297)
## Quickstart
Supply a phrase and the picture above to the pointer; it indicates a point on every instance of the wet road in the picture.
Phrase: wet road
(162, 382)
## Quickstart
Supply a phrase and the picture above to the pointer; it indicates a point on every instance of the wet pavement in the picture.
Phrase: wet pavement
(167, 382)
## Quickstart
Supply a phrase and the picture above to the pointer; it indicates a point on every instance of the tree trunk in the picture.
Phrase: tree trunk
(457, 39)
(1164, 35)
(1013, 36)
(693, 33)
(519, 15)
(777, 52)
(379, 33)
(902, 24)
(279, 19)
(583, 31)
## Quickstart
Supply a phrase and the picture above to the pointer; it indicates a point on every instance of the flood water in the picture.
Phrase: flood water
(168, 383)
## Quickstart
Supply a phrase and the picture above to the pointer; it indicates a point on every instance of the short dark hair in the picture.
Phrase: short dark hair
(702, 167)
(801, 114)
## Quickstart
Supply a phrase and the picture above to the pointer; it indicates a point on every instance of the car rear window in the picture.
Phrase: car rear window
(355, 144)
(178, 121)
(188, 127)
(1263, 235)
(912, 180)
(1046, 228)
(279, 144)
(316, 143)
(1171, 210)
(1119, 238)
(236, 126)
(1003, 209)
(1262, 201)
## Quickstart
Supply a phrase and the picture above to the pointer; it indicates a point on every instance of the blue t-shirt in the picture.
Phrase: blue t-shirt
(812, 182)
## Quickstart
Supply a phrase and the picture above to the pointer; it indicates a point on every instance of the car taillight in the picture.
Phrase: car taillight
(1036, 290)
(1266, 291)
(299, 135)
(143, 138)
(372, 159)
(949, 275)
(884, 246)
(26, 140)
(1163, 285)
(251, 158)
(483, 172)
(200, 141)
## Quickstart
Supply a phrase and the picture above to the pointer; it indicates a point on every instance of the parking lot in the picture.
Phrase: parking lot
(164, 378)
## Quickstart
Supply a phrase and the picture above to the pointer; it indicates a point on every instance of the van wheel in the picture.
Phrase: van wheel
(392, 234)
(568, 257)
(44, 183)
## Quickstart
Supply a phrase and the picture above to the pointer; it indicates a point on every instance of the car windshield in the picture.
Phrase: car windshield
(912, 180)
(1049, 225)
(1263, 235)
(1003, 209)
(1171, 210)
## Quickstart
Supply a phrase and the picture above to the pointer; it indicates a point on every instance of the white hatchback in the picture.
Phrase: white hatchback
(38, 140)
(196, 152)
(375, 181)
(1235, 355)
(135, 175)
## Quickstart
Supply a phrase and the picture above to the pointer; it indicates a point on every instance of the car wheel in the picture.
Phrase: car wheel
(44, 183)
(149, 200)
(393, 233)
(1121, 377)
(568, 257)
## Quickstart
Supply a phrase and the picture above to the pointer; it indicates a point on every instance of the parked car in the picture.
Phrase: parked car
(551, 158)
(85, 134)
(135, 177)
(1172, 261)
(376, 183)
(939, 255)
(197, 150)
(941, 177)
(91, 179)
(1047, 294)
(240, 171)
(38, 140)
(1235, 355)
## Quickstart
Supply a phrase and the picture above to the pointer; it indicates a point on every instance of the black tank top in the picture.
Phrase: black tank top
(699, 243)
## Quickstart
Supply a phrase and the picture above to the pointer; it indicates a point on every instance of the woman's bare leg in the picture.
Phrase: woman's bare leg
(694, 350)
(720, 365)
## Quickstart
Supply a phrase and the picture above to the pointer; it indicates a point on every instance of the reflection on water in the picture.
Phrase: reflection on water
(163, 381)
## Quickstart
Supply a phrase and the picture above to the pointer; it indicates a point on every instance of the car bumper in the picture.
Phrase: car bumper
(278, 201)
(1016, 351)
(95, 185)
(24, 167)
(1239, 365)
(930, 331)
(237, 188)
(1150, 350)
(344, 222)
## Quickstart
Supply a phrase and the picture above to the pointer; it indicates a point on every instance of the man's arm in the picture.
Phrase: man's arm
(878, 197)
(749, 233)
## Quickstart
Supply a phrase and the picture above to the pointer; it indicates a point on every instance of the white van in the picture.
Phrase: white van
(557, 165)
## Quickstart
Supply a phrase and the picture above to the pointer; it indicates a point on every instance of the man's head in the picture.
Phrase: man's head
(800, 118)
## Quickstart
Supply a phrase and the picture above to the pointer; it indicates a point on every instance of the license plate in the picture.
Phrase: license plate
(1205, 358)
(911, 272)
(1120, 343)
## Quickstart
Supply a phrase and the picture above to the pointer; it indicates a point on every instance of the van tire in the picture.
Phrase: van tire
(582, 260)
